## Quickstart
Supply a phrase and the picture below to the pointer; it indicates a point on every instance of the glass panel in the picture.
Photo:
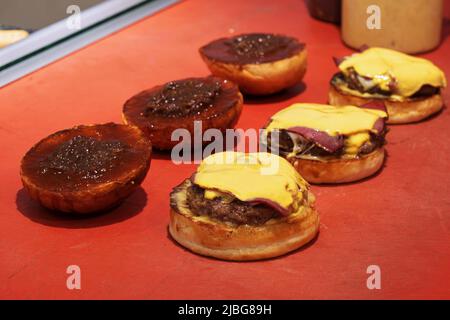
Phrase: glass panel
(18, 18)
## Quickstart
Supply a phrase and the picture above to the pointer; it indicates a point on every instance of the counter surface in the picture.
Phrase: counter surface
(398, 220)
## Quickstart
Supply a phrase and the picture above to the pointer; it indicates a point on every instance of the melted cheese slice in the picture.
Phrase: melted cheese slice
(355, 141)
(250, 176)
(345, 120)
(410, 73)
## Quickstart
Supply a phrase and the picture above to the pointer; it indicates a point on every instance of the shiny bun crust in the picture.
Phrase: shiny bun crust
(264, 78)
(161, 136)
(98, 197)
(161, 139)
(410, 110)
(213, 238)
(339, 170)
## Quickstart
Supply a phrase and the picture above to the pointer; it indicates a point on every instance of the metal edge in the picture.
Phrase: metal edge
(59, 30)
(77, 41)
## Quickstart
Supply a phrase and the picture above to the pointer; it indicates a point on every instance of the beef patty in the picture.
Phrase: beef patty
(307, 147)
(236, 212)
(354, 83)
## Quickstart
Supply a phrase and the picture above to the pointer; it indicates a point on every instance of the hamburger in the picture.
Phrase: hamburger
(409, 87)
(329, 144)
(240, 206)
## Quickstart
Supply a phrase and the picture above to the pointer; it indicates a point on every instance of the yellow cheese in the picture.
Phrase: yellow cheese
(212, 194)
(345, 120)
(355, 141)
(383, 65)
(250, 176)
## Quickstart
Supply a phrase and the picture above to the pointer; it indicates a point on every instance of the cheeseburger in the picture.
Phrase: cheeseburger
(329, 144)
(240, 206)
(409, 87)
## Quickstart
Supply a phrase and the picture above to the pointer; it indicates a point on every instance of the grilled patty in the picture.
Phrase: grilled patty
(235, 211)
(307, 147)
(354, 83)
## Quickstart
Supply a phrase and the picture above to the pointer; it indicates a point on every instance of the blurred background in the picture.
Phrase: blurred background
(36, 14)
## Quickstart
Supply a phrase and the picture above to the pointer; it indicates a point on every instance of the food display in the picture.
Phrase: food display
(239, 206)
(265, 182)
(260, 63)
(410, 87)
(86, 169)
(329, 144)
(229, 209)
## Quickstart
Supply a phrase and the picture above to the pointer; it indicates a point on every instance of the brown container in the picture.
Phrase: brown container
(325, 10)
(411, 26)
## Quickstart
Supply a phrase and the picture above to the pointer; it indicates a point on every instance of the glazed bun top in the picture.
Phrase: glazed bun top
(393, 71)
(252, 48)
(252, 177)
(86, 156)
(184, 98)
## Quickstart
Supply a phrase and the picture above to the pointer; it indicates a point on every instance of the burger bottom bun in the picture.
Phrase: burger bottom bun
(410, 110)
(244, 242)
(339, 170)
(264, 78)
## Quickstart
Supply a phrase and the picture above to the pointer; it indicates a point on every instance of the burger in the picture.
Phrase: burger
(329, 144)
(243, 206)
(409, 87)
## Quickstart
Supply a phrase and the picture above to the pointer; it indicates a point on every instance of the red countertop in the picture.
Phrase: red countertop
(398, 220)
